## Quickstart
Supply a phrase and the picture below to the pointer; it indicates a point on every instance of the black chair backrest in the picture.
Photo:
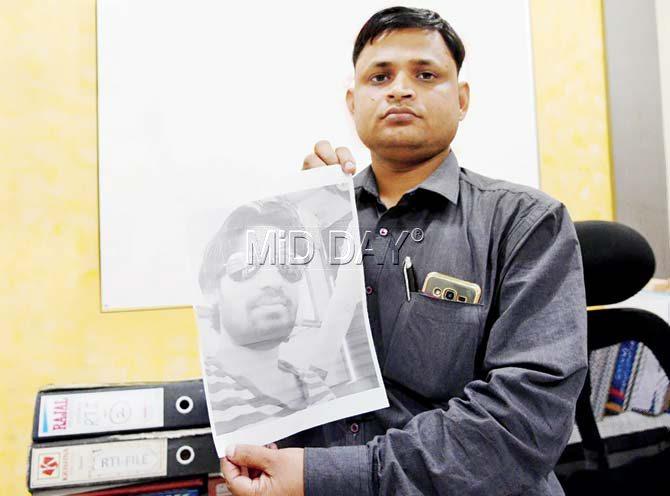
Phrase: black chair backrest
(618, 261)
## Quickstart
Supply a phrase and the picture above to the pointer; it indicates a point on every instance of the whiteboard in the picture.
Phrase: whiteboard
(197, 95)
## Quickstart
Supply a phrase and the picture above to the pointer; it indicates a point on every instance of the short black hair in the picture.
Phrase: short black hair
(394, 18)
(275, 212)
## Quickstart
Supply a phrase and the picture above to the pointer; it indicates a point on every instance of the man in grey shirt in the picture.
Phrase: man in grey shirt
(482, 395)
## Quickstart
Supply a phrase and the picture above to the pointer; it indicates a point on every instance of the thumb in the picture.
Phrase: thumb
(250, 456)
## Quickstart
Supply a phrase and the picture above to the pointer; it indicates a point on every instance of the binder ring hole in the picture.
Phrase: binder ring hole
(184, 404)
(185, 455)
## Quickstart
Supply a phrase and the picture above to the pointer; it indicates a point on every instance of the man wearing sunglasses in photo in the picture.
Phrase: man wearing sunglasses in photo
(482, 395)
(255, 313)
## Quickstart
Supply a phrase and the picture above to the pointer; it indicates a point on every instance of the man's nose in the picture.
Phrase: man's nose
(269, 276)
(401, 88)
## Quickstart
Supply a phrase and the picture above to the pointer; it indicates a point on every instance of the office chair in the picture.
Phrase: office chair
(618, 262)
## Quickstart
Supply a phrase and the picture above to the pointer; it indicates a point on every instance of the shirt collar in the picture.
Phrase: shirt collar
(444, 180)
(366, 180)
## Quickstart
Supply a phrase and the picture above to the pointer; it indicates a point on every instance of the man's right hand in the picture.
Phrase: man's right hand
(325, 155)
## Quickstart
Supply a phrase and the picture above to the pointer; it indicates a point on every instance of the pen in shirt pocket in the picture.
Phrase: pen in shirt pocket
(410, 277)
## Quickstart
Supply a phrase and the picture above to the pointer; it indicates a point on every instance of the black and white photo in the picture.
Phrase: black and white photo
(285, 340)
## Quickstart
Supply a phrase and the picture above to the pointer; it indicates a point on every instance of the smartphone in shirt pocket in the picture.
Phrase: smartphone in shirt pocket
(444, 287)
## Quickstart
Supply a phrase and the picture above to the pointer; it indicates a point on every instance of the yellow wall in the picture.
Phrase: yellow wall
(52, 327)
(571, 96)
(53, 330)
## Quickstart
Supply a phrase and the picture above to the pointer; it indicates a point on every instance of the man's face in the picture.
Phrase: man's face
(408, 70)
(257, 303)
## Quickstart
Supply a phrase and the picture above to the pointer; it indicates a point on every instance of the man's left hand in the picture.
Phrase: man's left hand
(256, 470)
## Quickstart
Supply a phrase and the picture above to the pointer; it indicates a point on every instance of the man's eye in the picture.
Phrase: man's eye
(379, 78)
(427, 76)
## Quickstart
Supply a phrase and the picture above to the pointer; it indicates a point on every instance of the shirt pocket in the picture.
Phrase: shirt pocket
(434, 345)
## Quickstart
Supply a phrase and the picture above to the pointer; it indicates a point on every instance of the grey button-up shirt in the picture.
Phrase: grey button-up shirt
(482, 396)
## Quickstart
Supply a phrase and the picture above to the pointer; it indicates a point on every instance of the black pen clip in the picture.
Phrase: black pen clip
(410, 277)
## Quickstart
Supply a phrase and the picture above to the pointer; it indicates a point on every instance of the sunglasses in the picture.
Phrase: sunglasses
(238, 269)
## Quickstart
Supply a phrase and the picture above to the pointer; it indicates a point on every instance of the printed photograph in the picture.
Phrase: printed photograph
(282, 320)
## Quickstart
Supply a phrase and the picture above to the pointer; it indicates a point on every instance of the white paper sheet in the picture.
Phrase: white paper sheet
(281, 309)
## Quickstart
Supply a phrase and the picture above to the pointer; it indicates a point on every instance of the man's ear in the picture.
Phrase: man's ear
(350, 101)
(463, 98)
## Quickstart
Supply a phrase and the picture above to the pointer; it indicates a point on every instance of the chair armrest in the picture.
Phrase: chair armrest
(610, 326)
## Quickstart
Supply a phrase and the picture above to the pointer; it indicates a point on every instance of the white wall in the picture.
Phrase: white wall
(197, 95)
(636, 123)
(663, 30)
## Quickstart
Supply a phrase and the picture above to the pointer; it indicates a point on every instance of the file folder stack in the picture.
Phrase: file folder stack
(140, 439)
